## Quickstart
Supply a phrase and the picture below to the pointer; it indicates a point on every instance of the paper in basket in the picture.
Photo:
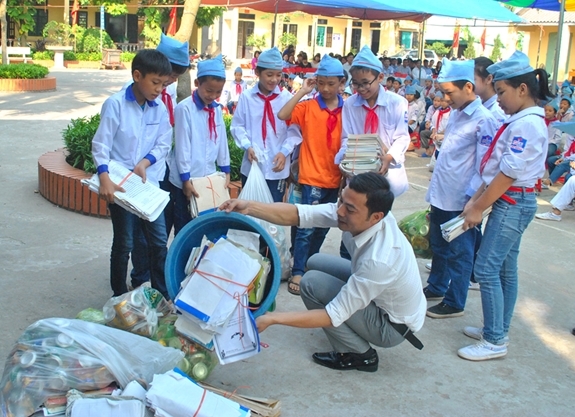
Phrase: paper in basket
(212, 194)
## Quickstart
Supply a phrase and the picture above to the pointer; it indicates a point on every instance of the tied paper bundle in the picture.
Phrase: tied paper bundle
(214, 300)
(143, 199)
(454, 228)
(415, 227)
(212, 194)
(363, 154)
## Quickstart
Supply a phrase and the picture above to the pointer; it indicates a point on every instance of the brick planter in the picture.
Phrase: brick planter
(42, 84)
(60, 184)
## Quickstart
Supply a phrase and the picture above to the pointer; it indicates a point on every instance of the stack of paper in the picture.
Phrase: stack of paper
(214, 301)
(145, 200)
(264, 407)
(362, 155)
(454, 227)
(212, 194)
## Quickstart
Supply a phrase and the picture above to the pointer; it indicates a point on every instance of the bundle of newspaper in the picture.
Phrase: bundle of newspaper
(222, 279)
(212, 193)
(454, 227)
(143, 199)
(363, 154)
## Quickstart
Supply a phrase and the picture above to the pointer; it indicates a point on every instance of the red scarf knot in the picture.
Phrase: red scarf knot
(268, 114)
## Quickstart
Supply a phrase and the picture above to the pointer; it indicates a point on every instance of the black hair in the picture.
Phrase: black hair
(207, 78)
(386, 57)
(179, 69)
(260, 69)
(350, 54)
(392, 79)
(345, 74)
(462, 83)
(398, 80)
(399, 61)
(151, 61)
(361, 68)
(481, 64)
(377, 190)
(537, 83)
(417, 95)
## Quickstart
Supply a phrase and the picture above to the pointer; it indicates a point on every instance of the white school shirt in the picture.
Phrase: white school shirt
(392, 113)
(521, 150)
(416, 73)
(430, 111)
(554, 135)
(171, 89)
(413, 110)
(567, 116)
(195, 153)
(442, 123)
(455, 167)
(383, 270)
(246, 129)
(429, 93)
(493, 106)
(230, 94)
(129, 133)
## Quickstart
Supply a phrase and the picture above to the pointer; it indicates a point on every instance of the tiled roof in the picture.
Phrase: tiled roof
(543, 17)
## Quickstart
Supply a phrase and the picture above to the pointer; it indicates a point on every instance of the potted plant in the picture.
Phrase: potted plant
(25, 77)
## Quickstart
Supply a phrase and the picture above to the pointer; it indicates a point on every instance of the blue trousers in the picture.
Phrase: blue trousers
(452, 261)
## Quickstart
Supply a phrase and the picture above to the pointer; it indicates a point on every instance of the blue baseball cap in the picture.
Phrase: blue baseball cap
(238, 69)
(271, 59)
(176, 51)
(366, 58)
(330, 67)
(457, 71)
(214, 67)
(410, 89)
(517, 64)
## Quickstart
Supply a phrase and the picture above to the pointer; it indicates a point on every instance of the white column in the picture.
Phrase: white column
(563, 53)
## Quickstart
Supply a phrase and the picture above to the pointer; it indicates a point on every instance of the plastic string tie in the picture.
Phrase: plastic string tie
(201, 403)
(214, 192)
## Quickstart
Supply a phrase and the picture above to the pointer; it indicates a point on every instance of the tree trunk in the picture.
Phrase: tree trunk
(184, 34)
(4, 24)
(67, 12)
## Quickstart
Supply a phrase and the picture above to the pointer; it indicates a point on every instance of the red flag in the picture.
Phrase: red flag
(456, 41)
(74, 12)
(173, 20)
(483, 38)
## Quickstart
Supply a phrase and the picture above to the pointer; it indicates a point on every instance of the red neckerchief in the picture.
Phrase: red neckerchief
(371, 120)
(167, 100)
(269, 114)
(442, 112)
(571, 150)
(549, 121)
(238, 89)
(491, 147)
(212, 122)
(331, 121)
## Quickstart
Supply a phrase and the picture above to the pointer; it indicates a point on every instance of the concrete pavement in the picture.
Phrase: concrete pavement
(55, 263)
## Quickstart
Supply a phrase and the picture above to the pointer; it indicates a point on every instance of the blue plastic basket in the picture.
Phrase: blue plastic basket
(214, 226)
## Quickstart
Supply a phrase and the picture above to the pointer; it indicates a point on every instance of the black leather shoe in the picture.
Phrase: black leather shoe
(366, 362)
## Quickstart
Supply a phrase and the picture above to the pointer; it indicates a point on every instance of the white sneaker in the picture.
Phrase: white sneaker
(474, 286)
(477, 334)
(482, 351)
(549, 216)
(570, 207)
(544, 186)
(428, 266)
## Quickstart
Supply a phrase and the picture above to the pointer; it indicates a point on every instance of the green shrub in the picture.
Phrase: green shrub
(43, 56)
(69, 56)
(23, 71)
(78, 137)
(89, 56)
(89, 41)
(236, 154)
(127, 56)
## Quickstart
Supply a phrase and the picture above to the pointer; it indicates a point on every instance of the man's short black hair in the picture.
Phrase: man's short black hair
(461, 83)
(360, 68)
(207, 78)
(178, 69)
(151, 61)
(392, 79)
(377, 190)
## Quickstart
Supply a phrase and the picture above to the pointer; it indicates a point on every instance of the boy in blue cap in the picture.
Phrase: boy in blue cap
(233, 90)
(509, 170)
(316, 124)
(471, 126)
(257, 129)
(201, 138)
(120, 137)
(374, 110)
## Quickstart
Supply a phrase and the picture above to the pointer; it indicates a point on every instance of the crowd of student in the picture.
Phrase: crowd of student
(482, 121)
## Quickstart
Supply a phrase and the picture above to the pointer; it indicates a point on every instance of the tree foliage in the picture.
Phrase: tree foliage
(22, 13)
(258, 42)
(207, 15)
(287, 39)
(439, 48)
(496, 52)
(469, 52)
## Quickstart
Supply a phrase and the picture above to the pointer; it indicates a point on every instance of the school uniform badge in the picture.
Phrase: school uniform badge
(486, 140)
(518, 144)
(405, 118)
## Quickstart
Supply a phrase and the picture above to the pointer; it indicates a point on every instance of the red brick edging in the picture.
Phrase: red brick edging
(60, 184)
(42, 84)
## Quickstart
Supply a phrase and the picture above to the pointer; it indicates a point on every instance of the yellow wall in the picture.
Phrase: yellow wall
(534, 32)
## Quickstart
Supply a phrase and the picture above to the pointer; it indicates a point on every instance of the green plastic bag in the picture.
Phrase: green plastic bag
(415, 227)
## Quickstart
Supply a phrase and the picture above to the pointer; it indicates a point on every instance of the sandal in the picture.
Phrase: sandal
(290, 289)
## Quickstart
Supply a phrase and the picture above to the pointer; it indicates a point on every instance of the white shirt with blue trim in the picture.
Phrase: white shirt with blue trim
(129, 133)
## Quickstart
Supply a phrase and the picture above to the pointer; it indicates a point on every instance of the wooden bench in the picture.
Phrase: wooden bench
(18, 50)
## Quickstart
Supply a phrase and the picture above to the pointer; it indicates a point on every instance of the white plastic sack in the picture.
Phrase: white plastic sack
(55, 355)
(256, 189)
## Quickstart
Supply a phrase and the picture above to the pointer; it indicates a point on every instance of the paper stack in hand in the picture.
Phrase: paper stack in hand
(212, 193)
(143, 199)
(454, 227)
(214, 301)
(362, 155)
